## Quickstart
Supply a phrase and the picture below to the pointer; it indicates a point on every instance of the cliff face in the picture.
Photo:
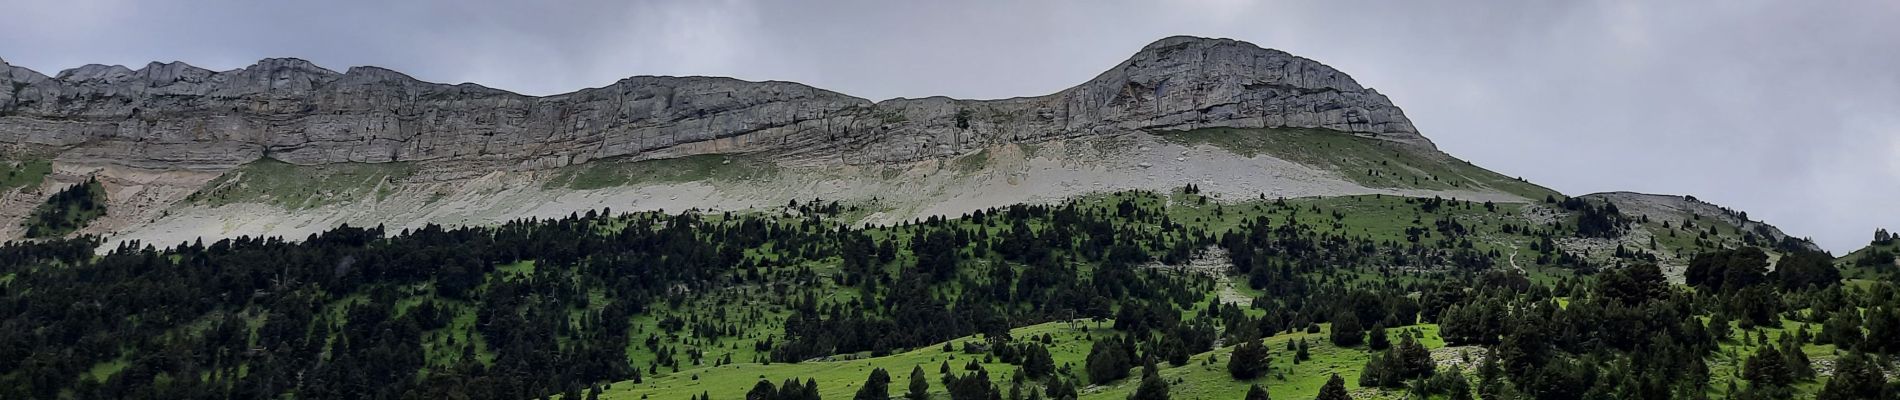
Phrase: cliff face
(173, 116)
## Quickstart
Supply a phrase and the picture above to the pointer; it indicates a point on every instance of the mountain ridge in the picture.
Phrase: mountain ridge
(276, 107)
(169, 136)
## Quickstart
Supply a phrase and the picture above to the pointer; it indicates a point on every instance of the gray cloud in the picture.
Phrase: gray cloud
(1787, 110)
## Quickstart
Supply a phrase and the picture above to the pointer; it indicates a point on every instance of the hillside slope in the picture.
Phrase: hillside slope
(285, 147)
(658, 306)
(1875, 261)
(1676, 228)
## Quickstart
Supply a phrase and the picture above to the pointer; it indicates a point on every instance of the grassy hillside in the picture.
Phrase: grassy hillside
(269, 181)
(68, 210)
(1200, 379)
(1367, 161)
(608, 173)
(25, 172)
(677, 306)
(1876, 261)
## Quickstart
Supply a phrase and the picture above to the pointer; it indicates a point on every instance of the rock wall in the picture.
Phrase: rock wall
(173, 116)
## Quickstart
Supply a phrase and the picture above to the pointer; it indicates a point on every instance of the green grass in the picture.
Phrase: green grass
(516, 270)
(269, 181)
(443, 346)
(67, 211)
(1371, 216)
(23, 173)
(606, 173)
(1367, 161)
(839, 379)
(1375, 217)
(1726, 364)
(1286, 381)
(1851, 268)
(101, 371)
(972, 162)
(1196, 379)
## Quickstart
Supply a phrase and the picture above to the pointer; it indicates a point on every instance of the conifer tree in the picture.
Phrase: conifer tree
(1376, 338)
(1855, 378)
(1335, 389)
(1152, 387)
(1255, 392)
(1767, 367)
(1346, 331)
(762, 391)
(876, 387)
(1248, 360)
(919, 386)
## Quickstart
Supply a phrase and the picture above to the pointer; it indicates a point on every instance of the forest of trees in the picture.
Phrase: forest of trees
(560, 307)
(68, 210)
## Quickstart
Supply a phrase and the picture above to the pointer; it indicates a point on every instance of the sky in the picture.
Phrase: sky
(1789, 111)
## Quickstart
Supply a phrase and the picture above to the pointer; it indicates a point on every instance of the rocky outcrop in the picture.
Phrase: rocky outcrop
(173, 116)
(1675, 209)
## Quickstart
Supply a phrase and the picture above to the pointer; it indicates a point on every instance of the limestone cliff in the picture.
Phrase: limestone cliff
(173, 116)
(188, 152)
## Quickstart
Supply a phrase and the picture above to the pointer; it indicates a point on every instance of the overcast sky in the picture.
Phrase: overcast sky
(1788, 110)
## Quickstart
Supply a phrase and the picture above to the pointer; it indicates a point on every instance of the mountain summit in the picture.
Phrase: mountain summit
(286, 147)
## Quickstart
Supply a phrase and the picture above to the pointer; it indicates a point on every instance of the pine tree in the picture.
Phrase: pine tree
(1152, 387)
(1381, 370)
(1719, 327)
(1255, 392)
(1376, 338)
(1883, 330)
(1335, 389)
(1842, 329)
(1346, 331)
(762, 391)
(1767, 367)
(1059, 389)
(1414, 360)
(919, 386)
(1248, 360)
(1797, 361)
(1107, 361)
(1856, 378)
(876, 387)
(1456, 383)
(791, 390)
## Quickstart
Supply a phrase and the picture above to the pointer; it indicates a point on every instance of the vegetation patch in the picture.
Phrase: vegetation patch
(67, 211)
(1113, 296)
(1877, 260)
(607, 173)
(1367, 161)
(23, 173)
(973, 162)
(269, 181)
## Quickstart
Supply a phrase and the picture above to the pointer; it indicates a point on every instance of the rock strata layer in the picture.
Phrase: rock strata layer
(173, 116)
